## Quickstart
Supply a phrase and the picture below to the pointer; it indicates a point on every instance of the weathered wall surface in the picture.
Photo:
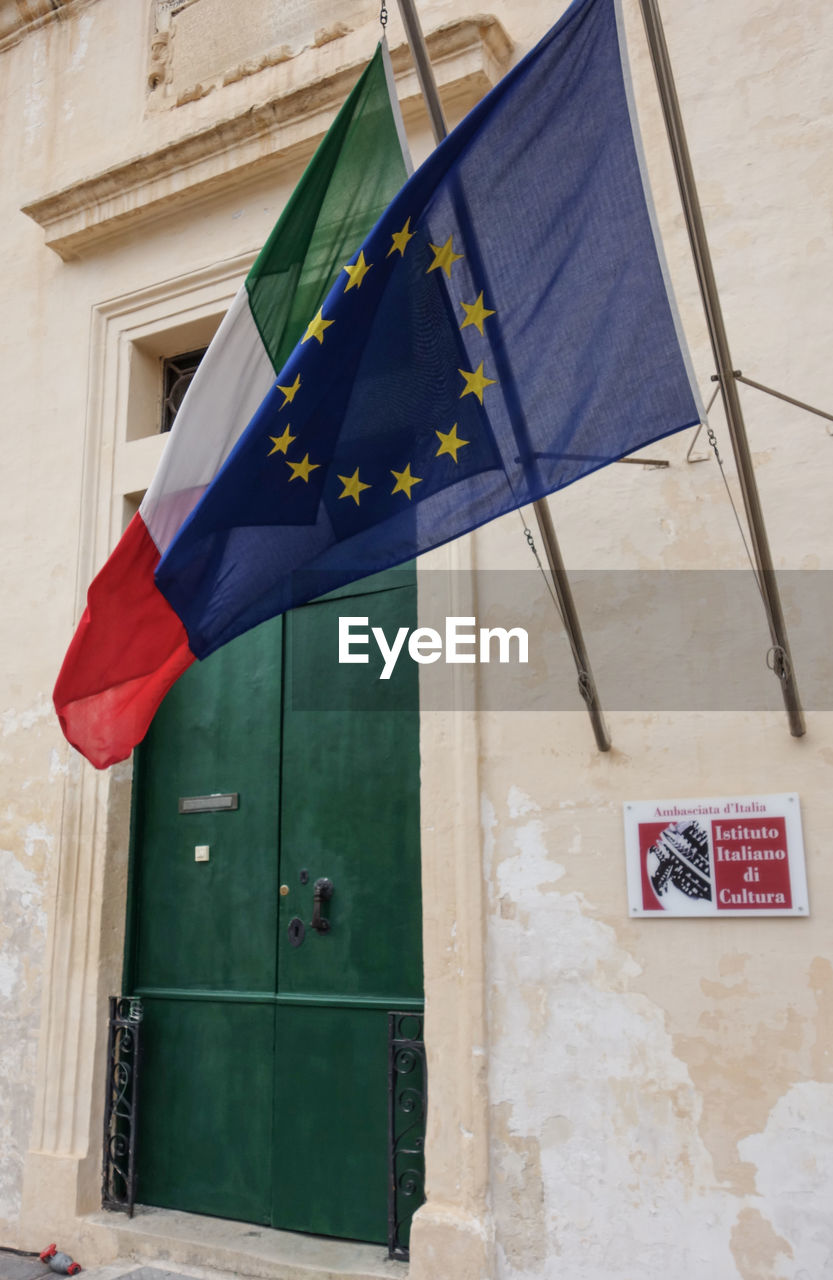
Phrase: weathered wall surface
(660, 1092)
(610, 1098)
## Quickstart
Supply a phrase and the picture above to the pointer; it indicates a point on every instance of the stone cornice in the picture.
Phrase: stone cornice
(468, 55)
(19, 17)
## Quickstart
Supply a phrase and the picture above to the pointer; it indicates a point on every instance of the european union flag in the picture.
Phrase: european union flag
(505, 329)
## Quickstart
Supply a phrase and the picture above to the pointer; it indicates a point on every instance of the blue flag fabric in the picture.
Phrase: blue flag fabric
(505, 329)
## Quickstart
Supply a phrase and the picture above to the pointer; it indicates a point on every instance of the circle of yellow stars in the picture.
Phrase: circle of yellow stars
(475, 380)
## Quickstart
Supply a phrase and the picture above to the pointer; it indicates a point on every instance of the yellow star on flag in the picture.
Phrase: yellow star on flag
(400, 239)
(476, 313)
(476, 382)
(316, 327)
(450, 442)
(404, 481)
(444, 257)
(352, 486)
(281, 442)
(289, 393)
(302, 469)
(357, 272)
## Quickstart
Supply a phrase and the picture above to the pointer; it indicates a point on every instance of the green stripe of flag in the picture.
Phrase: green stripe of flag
(352, 178)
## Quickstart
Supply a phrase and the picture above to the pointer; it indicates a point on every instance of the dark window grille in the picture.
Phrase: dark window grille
(177, 373)
(124, 1043)
(407, 1097)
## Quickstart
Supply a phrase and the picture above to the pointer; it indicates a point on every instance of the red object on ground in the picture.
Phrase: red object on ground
(61, 1263)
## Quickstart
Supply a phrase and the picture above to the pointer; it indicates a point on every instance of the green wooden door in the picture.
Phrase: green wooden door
(263, 1083)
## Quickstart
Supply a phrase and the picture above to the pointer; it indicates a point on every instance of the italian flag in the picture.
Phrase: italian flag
(130, 646)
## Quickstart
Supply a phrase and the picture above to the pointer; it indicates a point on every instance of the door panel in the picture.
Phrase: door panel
(350, 811)
(264, 1081)
(330, 1151)
(206, 1084)
(211, 924)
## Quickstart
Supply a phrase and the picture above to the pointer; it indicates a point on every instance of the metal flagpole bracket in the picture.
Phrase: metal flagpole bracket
(561, 583)
(726, 374)
(780, 395)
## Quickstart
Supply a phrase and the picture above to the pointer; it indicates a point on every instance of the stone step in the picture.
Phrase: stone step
(204, 1248)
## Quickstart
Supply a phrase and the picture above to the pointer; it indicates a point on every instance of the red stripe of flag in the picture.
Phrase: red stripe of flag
(128, 649)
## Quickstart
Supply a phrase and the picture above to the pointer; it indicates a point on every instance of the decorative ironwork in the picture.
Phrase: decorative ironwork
(177, 375)
(407, 1096)
(124, 1044)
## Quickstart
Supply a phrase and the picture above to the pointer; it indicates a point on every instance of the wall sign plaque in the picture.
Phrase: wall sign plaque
(720, 856)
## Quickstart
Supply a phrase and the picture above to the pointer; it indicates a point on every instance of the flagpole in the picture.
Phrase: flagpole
(782, 662)
(561, 582)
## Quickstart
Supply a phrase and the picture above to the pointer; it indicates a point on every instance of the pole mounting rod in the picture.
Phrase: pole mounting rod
(561, 582)
(569, 615)
(424, 70)
(723, 360)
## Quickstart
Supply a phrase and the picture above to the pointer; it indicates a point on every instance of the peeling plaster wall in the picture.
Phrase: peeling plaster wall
(658, 1102)
(22, 932)
(660, 1098)
(598, 1158)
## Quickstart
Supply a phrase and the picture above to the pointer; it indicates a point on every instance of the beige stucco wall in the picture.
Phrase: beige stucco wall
(658, 1093)
(609, 1098)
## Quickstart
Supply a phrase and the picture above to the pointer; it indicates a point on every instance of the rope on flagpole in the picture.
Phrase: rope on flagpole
(585, 683)
(777, 658)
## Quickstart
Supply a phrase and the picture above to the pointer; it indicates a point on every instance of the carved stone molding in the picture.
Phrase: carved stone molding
(469, 56)
(19, 17)
(88, 879)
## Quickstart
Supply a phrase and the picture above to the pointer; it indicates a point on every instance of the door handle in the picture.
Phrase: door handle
(322, 891)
